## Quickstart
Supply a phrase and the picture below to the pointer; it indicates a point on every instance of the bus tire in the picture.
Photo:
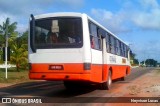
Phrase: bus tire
(107, 85)
(123, 78)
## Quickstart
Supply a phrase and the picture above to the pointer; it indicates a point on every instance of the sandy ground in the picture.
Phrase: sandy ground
(147, 85)
(5, 85)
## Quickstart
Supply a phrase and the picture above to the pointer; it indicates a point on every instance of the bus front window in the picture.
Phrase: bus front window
(58, 33)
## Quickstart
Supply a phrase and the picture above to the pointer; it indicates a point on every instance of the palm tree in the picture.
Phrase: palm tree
(18, 49)
(5, 29)
(19, 55)
(19, 52)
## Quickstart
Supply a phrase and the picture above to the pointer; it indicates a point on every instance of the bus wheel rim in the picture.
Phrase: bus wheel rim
(109, 80)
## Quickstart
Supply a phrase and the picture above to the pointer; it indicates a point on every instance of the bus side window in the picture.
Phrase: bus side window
(101, 32)
(92, 31)
(122, 49)
(112, 44)
(125, 50)
(92, 42)
(107, 43)
(94, 38)
(115, 46)
(118, 46)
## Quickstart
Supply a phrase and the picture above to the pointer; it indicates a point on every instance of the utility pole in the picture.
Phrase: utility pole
(6, 54)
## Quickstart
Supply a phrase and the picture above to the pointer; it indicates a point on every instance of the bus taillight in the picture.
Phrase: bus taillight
(87, 66)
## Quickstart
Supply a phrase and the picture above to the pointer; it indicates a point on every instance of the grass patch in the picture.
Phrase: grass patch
(14, 76)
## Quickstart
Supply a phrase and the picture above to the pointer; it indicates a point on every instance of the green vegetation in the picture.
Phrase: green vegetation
(18, 53)
(17, 43)
(150, 63)
(14, 76)
(134, 61)
(7, 28)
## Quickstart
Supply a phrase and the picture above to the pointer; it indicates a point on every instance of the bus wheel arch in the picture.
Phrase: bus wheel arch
(107, 84)
(110, 69)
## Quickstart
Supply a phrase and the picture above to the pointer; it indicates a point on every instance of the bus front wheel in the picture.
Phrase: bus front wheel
(107, 85)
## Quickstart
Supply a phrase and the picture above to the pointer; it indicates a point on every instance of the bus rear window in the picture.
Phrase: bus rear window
(58, 33)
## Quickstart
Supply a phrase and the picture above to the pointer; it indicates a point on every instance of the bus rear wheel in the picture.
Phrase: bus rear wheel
(123, 78)
(107, 85)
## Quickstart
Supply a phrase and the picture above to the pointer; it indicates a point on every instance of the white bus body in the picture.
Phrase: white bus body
(94, 58)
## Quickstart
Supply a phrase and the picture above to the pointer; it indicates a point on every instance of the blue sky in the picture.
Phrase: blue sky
(137, 22)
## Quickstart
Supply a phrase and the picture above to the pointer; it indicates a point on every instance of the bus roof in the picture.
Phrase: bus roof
(75, 14)
(58, 14)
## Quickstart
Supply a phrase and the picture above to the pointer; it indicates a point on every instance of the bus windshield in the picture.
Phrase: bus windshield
(58, 33)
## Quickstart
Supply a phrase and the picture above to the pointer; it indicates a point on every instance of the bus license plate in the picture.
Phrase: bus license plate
(55, 67)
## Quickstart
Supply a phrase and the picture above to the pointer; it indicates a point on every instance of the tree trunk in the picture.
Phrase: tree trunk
(17, 66)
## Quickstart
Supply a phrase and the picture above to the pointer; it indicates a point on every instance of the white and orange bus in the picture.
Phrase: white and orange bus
(72, 47)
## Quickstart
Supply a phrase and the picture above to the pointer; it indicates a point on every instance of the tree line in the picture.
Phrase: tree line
(147, 62)
(150, 63)
(17, 42)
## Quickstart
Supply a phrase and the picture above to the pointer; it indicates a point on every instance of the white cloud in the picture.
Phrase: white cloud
(20, 10)
(147, 20)
(21, 7)
(106, 14)
(145, 16)
(149, 3)
(148, 15)
(113, 22)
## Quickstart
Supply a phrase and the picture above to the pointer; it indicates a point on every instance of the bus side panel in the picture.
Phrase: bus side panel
(86, 41)
(105, 72)
(96, 69)
(118, 71)
(96, 73)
